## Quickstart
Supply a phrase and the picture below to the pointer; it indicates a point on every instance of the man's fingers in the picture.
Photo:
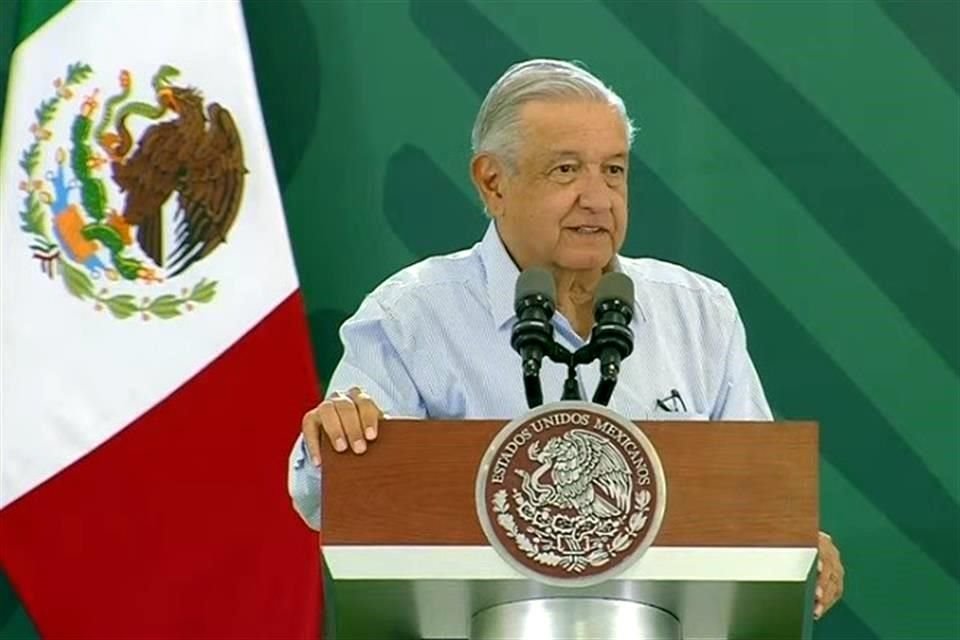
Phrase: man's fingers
(311, 427)
(330, 421)
(835, 583)
(368, 410)
(350, 421)
(830, 579)
(818, 603)
(828, 599)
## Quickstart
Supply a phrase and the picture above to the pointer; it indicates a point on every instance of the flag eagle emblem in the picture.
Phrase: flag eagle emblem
(109, 212)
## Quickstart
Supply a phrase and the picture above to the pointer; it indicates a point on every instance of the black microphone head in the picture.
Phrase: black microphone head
(535, 281)
(615, 286)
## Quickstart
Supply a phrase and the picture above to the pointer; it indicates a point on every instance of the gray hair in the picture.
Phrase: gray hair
(497, 127)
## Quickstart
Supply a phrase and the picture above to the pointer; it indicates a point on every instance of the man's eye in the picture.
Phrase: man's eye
(616, 169)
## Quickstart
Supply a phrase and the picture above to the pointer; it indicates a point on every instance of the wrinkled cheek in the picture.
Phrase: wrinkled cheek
(622, 218)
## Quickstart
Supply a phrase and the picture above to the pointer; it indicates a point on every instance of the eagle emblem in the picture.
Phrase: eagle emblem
(588, 474)
(131, 187)
(570, 494)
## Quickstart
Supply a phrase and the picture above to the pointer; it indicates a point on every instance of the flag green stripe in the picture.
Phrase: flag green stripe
(18, 20)
(33, 14)
(875, 88)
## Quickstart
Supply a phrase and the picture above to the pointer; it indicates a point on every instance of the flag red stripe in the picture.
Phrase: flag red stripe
(180, 525)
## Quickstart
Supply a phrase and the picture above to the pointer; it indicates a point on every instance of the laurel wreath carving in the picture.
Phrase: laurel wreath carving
(572, 562)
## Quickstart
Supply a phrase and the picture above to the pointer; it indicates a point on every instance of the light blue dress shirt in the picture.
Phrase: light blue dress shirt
(433, 341)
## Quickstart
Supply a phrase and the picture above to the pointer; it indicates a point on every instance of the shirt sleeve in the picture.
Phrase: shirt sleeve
(304, 482)
(372, 362)
(741, 395)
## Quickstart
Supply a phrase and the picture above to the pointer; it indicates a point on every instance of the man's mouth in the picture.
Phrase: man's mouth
(587, 230)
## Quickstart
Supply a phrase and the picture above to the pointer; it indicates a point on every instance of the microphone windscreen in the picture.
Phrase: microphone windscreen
(613, 286)
(536, 280)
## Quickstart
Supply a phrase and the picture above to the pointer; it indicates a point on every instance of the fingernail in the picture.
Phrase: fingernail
(340, 444)
(370, 433)
(316, 461)
(819, 566)
(819, 592)
(359, 446)
(818, 611)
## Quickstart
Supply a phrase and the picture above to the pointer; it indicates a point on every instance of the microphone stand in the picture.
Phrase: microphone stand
(571, 386)
(583, 355)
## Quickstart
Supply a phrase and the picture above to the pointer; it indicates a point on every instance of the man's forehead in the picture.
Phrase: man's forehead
(559, 151)
(572, 127)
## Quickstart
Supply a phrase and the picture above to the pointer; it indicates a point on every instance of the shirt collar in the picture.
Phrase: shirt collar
(502, 274)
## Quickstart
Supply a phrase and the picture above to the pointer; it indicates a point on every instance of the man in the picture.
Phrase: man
(550, 161)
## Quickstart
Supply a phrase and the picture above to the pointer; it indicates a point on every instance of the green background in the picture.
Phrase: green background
(806, 154)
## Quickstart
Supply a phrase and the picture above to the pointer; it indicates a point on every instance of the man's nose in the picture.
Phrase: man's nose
(596, 195)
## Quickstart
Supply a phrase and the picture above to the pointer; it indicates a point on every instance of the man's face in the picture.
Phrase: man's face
(565, 206)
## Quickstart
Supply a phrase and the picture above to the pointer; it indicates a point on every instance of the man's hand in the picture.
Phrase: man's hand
(348, 420)
(830, 578)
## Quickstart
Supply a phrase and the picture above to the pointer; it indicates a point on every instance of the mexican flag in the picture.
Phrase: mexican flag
(155, 355)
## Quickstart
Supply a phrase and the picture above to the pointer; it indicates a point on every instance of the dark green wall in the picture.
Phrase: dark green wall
(805, 154)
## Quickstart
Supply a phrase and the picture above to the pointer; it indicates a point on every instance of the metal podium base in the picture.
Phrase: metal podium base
(437, 592)
(574, 619)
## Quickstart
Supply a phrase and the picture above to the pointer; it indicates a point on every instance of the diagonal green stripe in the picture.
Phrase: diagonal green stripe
(934, 27)
(873, 86)
(784, 248)
(364, 117)
(285, 97)
(839, 187)
(900, 592)
(411, 175)
(843, 623)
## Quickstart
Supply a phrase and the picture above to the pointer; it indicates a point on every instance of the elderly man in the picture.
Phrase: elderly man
(550, 161)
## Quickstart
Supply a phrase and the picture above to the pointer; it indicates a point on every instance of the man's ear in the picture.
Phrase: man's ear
(489, 178)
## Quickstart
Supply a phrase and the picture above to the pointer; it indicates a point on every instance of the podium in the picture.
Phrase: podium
(735, 556)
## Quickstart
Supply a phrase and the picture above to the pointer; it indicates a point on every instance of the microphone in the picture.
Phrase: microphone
(611, 336)
(532, 336)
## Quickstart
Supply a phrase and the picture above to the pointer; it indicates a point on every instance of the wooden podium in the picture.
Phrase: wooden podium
(735, 557)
